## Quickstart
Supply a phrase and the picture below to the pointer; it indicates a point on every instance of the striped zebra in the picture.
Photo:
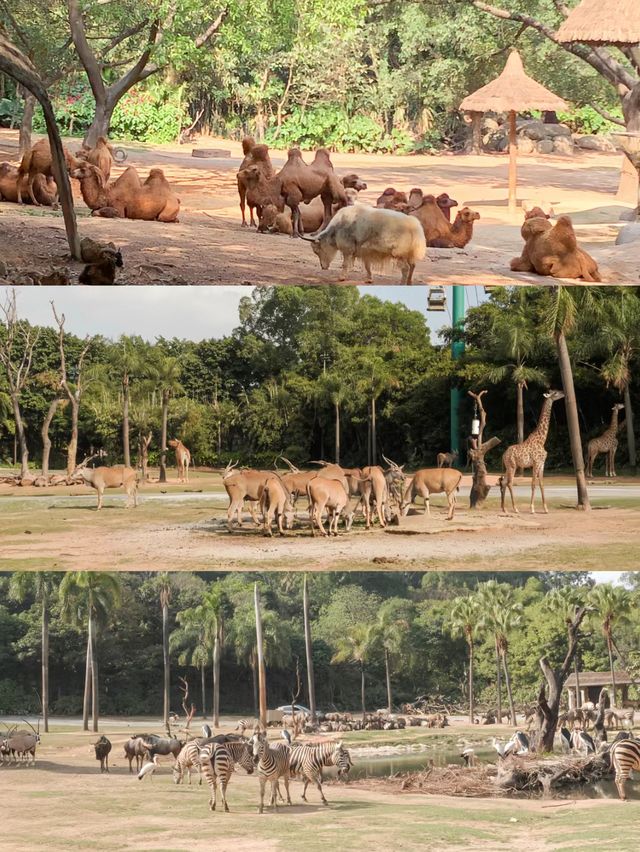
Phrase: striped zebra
(218, 761)
(307, 761)
(188, 760)
(253, 725)
(273, 764)
(625, 757)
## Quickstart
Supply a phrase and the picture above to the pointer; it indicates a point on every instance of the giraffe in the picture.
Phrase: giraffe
(183, 459)
(530, 453)
(605, 443)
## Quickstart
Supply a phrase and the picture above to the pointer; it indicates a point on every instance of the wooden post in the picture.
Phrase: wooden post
(476, 132)
(513, 167)
(262, 675)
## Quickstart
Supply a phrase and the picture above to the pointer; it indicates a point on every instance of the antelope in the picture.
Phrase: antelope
(243, 485)
(432, 481)
(100, 478)
(396, 480)
(183, 459)
(330, 494)
(275, 501)
(446, 459)
(296, 480)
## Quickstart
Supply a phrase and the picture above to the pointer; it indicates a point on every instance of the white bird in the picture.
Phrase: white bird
(286, 736)
(504, 749)
(469, 756)
(206, 731)
(565, 737)
(148, 768)
(522, 742)
(582, 741)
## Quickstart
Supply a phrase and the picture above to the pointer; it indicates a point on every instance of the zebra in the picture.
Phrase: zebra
(273, 764)
(254, 725)
(625, 757)
(307, 761)
(188, 759)
(218, 761)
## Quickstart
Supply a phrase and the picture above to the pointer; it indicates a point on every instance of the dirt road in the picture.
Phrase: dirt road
(208, 246)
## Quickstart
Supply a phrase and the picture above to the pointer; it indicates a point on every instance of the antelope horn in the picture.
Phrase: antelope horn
(321, 462)
(389, 462)
(292, 467)
(31, 726)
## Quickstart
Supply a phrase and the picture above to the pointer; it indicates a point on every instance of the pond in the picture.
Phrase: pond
(370, 765)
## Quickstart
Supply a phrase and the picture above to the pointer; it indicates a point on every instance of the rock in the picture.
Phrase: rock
(629, 234)
(594, 143)
(557, 130)
(535, 130)
(27, 481)
(4, 270)
(40, 482)
(525, 145)
(630, 215)
(545, 146)
(58, 275)
(563, 145)
(489, 125)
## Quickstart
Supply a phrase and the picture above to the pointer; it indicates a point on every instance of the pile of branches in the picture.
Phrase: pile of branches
(474, 781)
(529, 773)
(430, 704)
(38, 481)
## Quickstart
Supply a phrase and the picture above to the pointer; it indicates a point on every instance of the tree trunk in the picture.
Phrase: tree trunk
(26, 125)
(72, 447)
(507, 680)
(387, 671)
(631, 439)
(216, 681)
(46, 440)
(262, 674)
(166, 665)
(498, 687)
(573, 423)
(126, 450)
(576, 669)
(95, 695)
(45, 664)
(362, 691)
(87, 686)
(203, 686)
(163, 438)
(520, 411)
(471, 704)
(254, 676)
(373, 431)
(613, 674)
(101, 120)
(21, 435)
(311, 685)
(337, 409)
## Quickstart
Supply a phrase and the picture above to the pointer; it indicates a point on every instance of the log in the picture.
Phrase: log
(204, 153)
(542, 775)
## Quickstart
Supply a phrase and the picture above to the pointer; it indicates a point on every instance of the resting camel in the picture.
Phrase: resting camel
(100, 156)
(44, 188)
(36, 162)
(438, 232)
(553, 250)
(183, 459)
(393, 199)
(444, 202)
(127, 197)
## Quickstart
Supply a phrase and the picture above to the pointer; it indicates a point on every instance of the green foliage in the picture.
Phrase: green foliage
(587, 121)
(149, 114)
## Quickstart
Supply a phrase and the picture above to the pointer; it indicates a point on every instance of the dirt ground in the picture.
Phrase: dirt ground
(65, 803)
(184, 528)
(208, 245)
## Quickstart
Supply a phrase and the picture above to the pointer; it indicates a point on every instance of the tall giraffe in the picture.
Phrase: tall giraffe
(605, 443)
(530, 453)
(183, 459)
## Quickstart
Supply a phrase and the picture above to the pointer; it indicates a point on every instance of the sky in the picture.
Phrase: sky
(193, 313)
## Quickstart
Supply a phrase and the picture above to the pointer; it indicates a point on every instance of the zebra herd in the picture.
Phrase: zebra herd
(217, 757)
(625, 757)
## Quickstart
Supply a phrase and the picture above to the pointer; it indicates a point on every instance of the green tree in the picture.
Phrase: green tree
(41, 585)
(166, 373)
(564, 603)
(501, 613)
(165, 589)
(89, 598)
(611, 605)
(190, 640)
(391, 631)
(357, 646)
(466, 620)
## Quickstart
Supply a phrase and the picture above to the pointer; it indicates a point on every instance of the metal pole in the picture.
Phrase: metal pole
(457, 350)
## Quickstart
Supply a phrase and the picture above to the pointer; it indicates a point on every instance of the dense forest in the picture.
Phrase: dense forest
(305, 364)
(350, 74)
(414, 621)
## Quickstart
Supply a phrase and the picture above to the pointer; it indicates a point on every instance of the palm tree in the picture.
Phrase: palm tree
(560, 320)
(214, 609)
(40, 584)
(333, 388)
(164, 591)
(564, 603)
(356, 646)
(167, 371)
(89, 597)
(189, 638)
(500, 614)
(375, 377)
(611, 605)
(391, 631)
(128, 363)
(466, 620)
(311, 684)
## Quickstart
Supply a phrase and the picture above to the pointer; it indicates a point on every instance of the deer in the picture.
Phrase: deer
(432, 481)
(183, 458)
(100, 478)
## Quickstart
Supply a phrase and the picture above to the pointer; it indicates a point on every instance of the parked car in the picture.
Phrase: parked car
(299, 708)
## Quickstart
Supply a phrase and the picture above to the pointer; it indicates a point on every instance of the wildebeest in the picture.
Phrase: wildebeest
(102, 749)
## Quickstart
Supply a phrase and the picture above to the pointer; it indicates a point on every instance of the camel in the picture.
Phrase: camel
(553, 250)
(444, 202)
(38, 161)
(258, 156)
(300, 183)
(100, 156)
(127, 197)
(44, 188)
(438, 232)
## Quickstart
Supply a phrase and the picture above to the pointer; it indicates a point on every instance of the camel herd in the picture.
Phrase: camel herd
(305, 200)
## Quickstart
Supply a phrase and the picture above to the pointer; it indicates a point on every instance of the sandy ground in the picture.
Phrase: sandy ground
(185, 529)
(65, 803)
(208, 246)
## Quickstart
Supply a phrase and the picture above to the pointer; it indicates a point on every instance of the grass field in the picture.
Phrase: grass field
(66, 804)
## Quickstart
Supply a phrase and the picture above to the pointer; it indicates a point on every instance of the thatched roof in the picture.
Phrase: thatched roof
(597, 679)
(603, 22)
(512, 90)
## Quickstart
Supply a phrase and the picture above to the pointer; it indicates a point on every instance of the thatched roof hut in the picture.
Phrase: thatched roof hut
(512, 91)
(603, 22)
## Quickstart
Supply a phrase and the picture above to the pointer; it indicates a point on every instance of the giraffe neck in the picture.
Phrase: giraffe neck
(613, 425)
(539, 434)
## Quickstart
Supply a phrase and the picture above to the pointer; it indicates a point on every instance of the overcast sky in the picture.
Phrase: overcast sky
(194, 313)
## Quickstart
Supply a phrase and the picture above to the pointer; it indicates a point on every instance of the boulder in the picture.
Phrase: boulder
(563, 145)
(629, 234)
(594, 143)
(545, 146)
(557, 130)
(525, 145)
(489, 125)
(533, 129)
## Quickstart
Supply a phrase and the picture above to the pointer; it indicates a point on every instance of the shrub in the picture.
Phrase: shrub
(586, 120)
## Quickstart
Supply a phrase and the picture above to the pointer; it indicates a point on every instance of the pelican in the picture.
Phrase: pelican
(565, 737)
(148, 768)
(504, 749)
(206, 731)
(582, 741)
(522, 742)
(286, 736)
(468, 754)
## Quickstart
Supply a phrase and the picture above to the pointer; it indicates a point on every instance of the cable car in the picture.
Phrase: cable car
(436, 300)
